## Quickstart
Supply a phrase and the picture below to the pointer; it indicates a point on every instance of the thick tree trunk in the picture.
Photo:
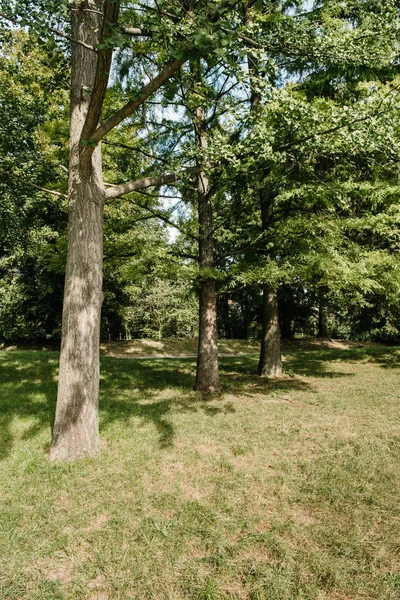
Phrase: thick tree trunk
(270, 363)
(76, 431)
(207, 372)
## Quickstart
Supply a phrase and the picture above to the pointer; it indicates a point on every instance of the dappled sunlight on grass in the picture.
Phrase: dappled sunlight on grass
(27, 391)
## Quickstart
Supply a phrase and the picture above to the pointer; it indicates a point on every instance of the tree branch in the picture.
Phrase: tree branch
(56, 31)
(136, 31)
(149, 89)
(146, 182)
(110, 17)
(131, 106)
(29, 183)
(157, 215)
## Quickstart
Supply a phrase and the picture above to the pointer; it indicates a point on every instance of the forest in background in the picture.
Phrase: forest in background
(327, 131)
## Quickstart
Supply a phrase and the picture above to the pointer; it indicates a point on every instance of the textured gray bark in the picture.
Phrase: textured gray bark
(270, 363)
(322, 320)
(207, 372)
(76, 431)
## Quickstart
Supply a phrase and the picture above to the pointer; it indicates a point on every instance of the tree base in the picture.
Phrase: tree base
(208, 389)
(275, 373)
(65, 454)
(74, 443)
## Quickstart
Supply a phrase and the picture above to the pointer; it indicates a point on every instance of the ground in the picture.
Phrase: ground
(275, 490)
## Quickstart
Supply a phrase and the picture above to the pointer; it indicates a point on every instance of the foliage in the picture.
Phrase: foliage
(325, 140)
(31, 221)
(161, 309)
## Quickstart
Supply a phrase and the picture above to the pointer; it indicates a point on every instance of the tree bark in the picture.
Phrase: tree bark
(76, 431)
(322, 320)
(207, 372)
(270, 363)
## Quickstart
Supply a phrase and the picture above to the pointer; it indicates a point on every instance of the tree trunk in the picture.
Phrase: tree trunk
(76, 431)
(286, 324)
(322, 321)
(207, 372)
(270, 363)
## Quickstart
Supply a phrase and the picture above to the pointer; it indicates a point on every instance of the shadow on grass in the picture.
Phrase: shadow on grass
(314, 363)
(28, 390)
(150, 389)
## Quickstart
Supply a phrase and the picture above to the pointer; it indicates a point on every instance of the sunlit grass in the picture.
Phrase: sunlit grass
(174, 347)
(273, 491)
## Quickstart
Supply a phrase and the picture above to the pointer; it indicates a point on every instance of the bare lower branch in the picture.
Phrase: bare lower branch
(146, 182)
(30, 184)
(70, 39)
(56, 31)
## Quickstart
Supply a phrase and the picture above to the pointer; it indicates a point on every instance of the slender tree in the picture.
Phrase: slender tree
(207, 372)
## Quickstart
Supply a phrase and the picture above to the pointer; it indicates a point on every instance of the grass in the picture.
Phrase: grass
(276, 490)
(174, 347)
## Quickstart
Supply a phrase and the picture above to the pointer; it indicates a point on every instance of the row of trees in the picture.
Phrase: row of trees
(272, 127)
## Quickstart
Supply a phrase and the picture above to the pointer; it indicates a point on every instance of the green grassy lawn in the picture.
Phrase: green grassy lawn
(272, 491)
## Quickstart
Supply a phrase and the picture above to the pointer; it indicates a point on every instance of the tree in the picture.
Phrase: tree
(171, 36)
(93, 23)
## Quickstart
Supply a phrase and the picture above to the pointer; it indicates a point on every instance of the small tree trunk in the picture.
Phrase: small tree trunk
(207, 372)
(322, 321)
(287, 328)
(76, 431)
(270, 363)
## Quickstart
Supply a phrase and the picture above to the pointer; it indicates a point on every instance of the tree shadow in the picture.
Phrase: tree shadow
(240, 375)
(28, 390)
(152, 389)
(313, 362)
